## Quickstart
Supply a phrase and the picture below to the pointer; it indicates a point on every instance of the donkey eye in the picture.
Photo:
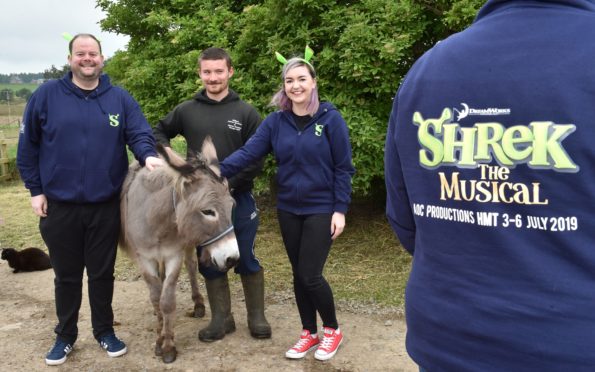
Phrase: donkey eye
(208, 212)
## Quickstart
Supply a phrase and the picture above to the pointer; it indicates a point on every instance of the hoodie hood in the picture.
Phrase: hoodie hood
(202, 97)
(324, 108)
(69, 87)
(492, 6)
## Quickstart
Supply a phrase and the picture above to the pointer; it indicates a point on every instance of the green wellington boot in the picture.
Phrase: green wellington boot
(254, 293)
(220, 303)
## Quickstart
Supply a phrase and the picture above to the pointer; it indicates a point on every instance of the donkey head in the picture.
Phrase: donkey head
(203, 206)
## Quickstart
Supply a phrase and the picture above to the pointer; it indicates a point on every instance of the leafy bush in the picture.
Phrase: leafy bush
(362, 51)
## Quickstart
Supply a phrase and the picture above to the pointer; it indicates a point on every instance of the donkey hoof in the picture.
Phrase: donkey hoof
(199, 312)
(158, 351)
(170, 356)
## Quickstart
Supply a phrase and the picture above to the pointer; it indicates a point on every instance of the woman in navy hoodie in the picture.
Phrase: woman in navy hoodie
(310, 142)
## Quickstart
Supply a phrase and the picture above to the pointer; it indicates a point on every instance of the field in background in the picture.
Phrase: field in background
(16, 87)
(11, 114)
(366, 263)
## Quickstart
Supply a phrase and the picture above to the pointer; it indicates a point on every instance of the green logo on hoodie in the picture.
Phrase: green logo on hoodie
(318, 129)
(113, 120)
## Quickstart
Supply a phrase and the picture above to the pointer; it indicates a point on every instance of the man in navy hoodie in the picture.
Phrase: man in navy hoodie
(72, 158)
(490, 180)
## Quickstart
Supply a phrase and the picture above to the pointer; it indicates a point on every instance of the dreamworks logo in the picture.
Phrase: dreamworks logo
(491, 111)
(234, 125)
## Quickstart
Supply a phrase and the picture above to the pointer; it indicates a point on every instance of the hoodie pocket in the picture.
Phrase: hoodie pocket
(98, 185)
(62, 184)
(316, 181)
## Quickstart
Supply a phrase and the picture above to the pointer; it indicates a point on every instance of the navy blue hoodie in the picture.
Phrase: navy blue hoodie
(490, 176)
(314, 165)
(72, 147)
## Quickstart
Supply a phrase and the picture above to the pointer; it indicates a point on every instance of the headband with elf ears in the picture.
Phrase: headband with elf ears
(68, 37)
(308, 53)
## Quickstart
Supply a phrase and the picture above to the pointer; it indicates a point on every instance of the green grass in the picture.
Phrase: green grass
(16, 87)
(365, 265)
(15, 109)
(18, 225)
(11, 115)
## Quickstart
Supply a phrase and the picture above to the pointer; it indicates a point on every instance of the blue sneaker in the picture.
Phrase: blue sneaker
(57, 355)
(113, 345)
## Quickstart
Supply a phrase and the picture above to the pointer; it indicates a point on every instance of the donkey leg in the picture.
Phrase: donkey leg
(173, 265)
(199, 301)
(150, 273)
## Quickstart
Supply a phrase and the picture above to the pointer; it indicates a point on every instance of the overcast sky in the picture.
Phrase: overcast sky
(31, 32)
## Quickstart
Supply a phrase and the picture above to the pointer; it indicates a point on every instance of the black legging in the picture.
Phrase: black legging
(307, 240)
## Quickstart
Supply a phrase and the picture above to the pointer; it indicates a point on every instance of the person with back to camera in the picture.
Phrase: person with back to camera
(310, 142)
(490, 180)
(218, 112)
(72, 157)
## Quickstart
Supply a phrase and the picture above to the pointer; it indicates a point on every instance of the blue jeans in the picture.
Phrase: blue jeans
(245, 222)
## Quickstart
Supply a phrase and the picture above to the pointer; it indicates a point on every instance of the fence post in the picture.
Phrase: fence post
(4, 160)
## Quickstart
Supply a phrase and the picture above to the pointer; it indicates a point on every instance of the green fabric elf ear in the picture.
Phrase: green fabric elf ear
(67, 37)
(308, 53)
(280, 58)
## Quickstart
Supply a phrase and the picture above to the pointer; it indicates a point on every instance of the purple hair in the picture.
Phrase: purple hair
(280, 98)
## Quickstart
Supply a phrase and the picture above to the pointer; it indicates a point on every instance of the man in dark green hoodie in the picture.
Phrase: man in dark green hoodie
(218, 112)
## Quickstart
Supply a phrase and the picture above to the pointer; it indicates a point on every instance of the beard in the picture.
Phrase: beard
(216, 87)
(83, 73)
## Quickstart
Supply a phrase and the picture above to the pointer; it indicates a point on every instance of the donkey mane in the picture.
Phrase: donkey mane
(193, 163)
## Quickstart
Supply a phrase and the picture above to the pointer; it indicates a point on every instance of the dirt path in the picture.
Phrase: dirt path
(373, 342)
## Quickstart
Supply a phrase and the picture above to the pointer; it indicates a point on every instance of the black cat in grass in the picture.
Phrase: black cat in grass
(29, 259)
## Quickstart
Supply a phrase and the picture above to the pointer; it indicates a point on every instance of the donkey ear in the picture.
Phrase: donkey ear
(170, 155)
(210, 155)
(175, 161)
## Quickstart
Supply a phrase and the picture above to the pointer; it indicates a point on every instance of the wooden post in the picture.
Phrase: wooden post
(4, 160)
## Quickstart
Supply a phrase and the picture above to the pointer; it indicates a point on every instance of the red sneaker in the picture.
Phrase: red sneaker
(306, 343)
(329, 344)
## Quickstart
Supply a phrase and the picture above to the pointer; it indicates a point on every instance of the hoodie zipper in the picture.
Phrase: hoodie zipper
(84, 143)
(298, 193)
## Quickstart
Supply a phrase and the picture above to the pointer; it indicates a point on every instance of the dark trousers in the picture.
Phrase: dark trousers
(245, 224)
(80, 236)
(307, 239)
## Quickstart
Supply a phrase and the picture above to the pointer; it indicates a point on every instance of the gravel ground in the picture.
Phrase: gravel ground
(374, 335)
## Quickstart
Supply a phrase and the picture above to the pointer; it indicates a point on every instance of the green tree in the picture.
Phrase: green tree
(362, 51)
(24, 93)
(55, 73)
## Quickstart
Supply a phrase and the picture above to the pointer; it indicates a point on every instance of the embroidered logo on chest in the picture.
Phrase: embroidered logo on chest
(318, 129)
(114, 120)
(234, 125)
